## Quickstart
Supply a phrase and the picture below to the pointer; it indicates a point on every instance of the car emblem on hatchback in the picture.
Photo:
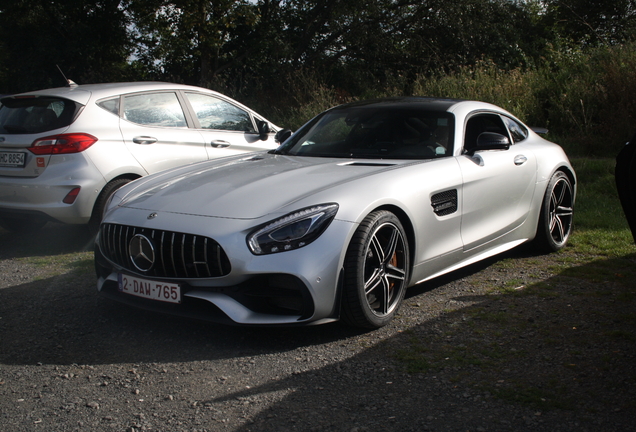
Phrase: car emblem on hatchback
(142, 252)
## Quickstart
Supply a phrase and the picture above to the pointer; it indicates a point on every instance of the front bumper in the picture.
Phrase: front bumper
(297, 287)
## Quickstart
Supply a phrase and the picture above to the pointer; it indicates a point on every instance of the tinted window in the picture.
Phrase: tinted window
(215, 113)
(517, 130)
(154, 109)
(110, 105)
(386, 133)
(35, 115)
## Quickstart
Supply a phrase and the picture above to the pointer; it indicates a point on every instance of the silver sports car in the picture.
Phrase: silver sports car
(363, 201)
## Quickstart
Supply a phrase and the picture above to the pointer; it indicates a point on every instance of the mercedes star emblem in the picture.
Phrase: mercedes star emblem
(142, 252)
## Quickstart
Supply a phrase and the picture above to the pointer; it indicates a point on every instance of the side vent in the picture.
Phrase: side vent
(444, 203)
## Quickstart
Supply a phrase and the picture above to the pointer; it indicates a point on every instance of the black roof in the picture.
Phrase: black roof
(404, 102)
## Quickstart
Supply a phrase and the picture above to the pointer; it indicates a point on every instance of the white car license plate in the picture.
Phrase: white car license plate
(153, 290)
(8, 159)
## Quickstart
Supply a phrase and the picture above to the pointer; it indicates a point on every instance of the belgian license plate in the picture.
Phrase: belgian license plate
(8, 159)
(154, 290)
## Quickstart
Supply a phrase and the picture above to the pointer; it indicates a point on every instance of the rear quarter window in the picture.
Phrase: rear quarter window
(36, 114)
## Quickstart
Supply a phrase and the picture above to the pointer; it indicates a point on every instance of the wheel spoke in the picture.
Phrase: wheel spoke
(395, 272)
(376, 249)
(383, 276)
(372, 283)
(557, 229)
(391, 246)
(564, 211)
(560, 211)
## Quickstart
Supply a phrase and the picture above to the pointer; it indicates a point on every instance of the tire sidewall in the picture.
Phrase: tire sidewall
(544, 236)
(359, 312)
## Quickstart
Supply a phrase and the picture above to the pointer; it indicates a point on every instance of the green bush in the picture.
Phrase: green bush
(587, 99)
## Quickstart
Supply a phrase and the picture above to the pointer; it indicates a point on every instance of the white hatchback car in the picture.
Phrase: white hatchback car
(64, 151)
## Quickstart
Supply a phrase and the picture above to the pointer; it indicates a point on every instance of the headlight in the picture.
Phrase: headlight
(292, 231)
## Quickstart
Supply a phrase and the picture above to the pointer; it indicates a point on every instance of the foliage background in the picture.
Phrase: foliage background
(569, 65)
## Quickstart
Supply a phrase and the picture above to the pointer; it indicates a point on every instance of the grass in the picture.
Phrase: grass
(55, 265)
(569, 315)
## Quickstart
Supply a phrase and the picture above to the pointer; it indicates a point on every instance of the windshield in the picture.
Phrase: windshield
(375, 133)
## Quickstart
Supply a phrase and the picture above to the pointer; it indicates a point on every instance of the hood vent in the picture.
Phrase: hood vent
(370, 164)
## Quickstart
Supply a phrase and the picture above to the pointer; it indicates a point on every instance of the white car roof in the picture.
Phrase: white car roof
(82, 93)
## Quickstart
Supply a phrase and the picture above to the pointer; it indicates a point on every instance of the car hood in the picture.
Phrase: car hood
(246, 187)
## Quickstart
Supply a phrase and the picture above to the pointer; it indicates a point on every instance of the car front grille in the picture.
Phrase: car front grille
(173, 255)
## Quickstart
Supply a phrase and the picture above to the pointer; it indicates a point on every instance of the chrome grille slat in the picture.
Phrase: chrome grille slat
(174, 266)
(218, 256)
(183, 260)
(161, 243)
(205, 255)
(194, 254)
(178, 255)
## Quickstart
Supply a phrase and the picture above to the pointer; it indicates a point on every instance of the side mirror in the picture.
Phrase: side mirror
(263, 129)
(492, 141)
(282, 135)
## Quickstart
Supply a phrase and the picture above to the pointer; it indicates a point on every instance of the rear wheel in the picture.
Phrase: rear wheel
(555, 221)
(376, 271)
(100, 203)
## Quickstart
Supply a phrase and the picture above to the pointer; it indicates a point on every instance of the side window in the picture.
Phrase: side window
(154, 109)
(215, 113)
(482, 123)
(110, 105)
(517, 130)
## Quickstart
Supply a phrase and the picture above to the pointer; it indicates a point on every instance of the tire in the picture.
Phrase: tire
(377, 266)
(555, 220)
(21, 225)
(100, 203)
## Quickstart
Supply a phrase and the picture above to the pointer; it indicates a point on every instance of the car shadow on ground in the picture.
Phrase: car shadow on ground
(52, 239)
(63, 320)
(556, 355)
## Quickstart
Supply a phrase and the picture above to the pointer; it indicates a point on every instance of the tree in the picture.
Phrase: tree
(87, 39)
(592, 22)
(191, 41)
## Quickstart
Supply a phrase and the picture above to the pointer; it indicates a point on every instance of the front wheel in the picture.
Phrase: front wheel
(555, 220)
(376, 271)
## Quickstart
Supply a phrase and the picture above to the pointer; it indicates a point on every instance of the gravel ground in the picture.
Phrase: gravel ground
(518, 343)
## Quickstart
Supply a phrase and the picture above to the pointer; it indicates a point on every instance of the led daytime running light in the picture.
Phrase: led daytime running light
(318, 215)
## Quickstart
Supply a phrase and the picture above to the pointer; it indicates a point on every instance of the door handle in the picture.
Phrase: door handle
(144, 140)
(220, 144)
(520, 160)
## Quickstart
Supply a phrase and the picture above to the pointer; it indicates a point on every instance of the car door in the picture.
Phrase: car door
(227, 129)
(498, 184)
(154, 126)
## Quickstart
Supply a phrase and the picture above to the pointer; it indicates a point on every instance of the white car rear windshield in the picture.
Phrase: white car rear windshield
(28, 115)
